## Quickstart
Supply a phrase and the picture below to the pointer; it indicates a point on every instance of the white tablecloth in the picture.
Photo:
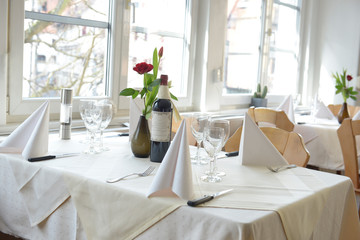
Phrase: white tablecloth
(321, 140)
(231, 223)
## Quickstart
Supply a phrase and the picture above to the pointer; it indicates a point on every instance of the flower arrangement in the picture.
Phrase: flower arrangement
(151, 84)
(342, 87)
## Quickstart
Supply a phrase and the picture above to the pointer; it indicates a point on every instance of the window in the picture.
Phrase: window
(262, 46)
(151, 27)
(65, 46)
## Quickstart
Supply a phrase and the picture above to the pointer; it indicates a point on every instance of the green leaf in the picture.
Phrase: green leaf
(136, 93)
(149, 79)
(155, 63)
(173, 97)
(154, 83)
(142, 93)
(127, 92)
(148, 115)
(338, 91)
(353, 98)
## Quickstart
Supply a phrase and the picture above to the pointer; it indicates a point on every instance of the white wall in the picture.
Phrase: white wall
(336, 45)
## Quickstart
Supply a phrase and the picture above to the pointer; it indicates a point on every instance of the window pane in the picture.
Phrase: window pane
(282, 73)
(291, 2)
(164, 29)
(94, 10)
(284, 28)
(243, 41)
(63, 56)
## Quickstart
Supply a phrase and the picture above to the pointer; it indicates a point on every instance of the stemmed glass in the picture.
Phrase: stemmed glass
(83, 105)
(106, 116)
(213, 142)
(92, 120)
(198, 123)
(224, 124)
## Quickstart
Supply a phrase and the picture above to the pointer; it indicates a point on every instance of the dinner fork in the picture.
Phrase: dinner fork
(277, 169)
(144, 174)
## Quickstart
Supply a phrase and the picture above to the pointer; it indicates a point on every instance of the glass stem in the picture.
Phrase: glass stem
(198, 152)
(211, 163)
(101, 139)
(92, 140)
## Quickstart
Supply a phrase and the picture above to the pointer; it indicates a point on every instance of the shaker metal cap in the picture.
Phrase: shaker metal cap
(66, 96)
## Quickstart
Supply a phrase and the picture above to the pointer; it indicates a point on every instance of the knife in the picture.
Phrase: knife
(206, 198)
(48, 157)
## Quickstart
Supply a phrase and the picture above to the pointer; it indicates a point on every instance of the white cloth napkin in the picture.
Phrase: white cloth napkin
(43, 191)
(32, 136)
(288, 107)
(174, 176)
(255, 148)
(323, 111)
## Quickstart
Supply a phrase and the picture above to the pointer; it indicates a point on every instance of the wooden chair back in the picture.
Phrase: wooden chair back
(346, 133)
(290, 144)
(335, 109)
(175, 126)
(278, 118)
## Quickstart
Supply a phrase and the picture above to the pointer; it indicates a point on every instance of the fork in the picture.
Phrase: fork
(144, 174)
(277, 169)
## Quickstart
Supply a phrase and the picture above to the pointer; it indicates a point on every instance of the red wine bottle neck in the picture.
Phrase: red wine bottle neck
(163, 92)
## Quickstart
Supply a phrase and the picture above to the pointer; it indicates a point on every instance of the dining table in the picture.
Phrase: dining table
(69, 198)
(321, 140)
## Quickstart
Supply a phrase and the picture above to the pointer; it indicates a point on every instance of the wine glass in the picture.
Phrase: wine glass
(198, 123)
(83, 105)
(213, 142)
(106, 116)
(225, 124)
(92, 120)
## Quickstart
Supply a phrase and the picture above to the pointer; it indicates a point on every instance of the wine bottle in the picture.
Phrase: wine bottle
(161, 122)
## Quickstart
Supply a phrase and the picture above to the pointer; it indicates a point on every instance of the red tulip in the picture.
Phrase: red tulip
(143, 67)
(349, 77)
(161, 52)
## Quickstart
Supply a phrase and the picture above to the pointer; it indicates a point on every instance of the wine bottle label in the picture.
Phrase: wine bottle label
(161, 126)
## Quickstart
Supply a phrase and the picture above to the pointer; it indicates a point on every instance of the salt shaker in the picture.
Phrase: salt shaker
(65, 113)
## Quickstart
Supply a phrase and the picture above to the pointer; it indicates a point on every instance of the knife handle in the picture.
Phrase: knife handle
(36, 159)
(194, 203)
(231, 154)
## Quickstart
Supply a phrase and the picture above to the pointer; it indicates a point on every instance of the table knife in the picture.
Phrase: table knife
(48, 157)
(206, 198)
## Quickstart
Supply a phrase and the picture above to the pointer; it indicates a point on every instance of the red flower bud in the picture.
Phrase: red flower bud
(143, 67)
(349, 77)
(161, 52)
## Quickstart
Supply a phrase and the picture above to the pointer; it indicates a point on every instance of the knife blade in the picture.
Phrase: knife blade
(48, 157)
(206, 198)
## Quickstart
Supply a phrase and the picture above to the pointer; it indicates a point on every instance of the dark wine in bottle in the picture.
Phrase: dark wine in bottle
(161, 122)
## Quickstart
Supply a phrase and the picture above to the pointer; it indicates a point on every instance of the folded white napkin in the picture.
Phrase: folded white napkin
(288, 107)
(255, 148)
(323, 111)
(31, 137)
(174, 176)
(43, 190)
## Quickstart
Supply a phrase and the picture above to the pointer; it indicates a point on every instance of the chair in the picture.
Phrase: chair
(335, 109)
(290, 144)
(278, 118)
(347, 132)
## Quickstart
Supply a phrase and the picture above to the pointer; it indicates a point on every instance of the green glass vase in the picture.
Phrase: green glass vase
(343, 113)
(140, 142)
